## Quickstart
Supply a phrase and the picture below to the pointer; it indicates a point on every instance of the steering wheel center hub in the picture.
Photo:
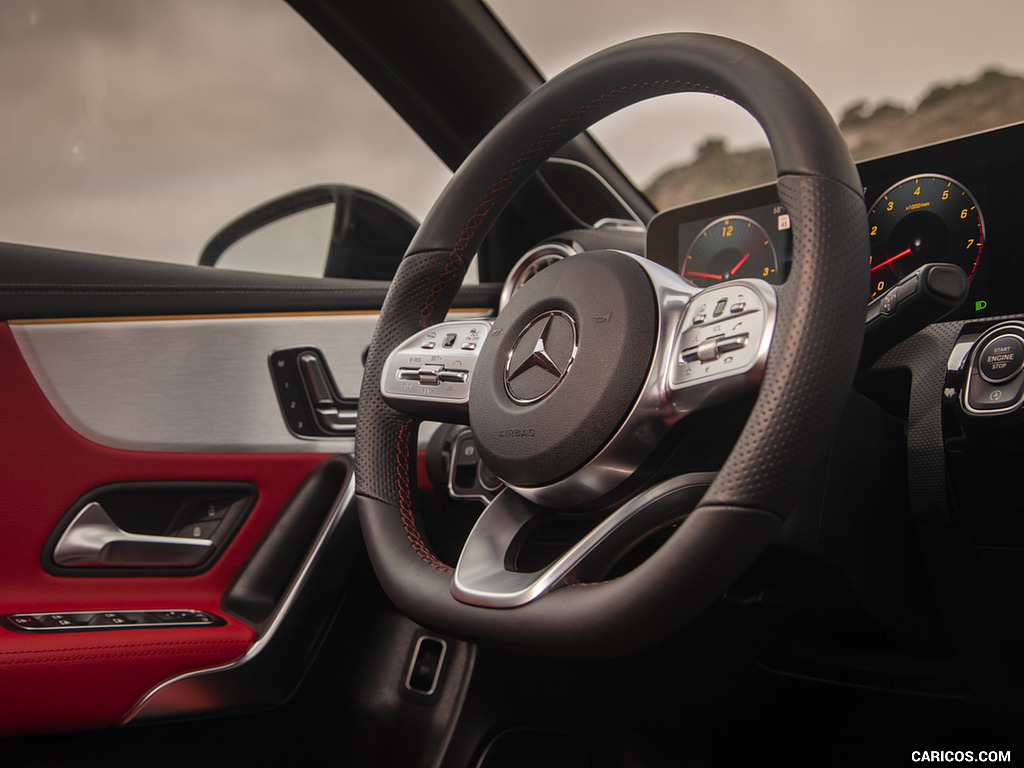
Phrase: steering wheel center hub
(562, 367)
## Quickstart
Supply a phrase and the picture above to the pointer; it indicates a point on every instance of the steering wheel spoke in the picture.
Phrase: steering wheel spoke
(430, 373)
(485, 575)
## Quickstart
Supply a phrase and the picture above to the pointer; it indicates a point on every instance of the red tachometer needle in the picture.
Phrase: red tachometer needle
(733, 270)
(703, 274)
(891, 259)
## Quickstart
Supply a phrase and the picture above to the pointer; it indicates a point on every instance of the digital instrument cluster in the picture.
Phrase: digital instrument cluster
(956, 202)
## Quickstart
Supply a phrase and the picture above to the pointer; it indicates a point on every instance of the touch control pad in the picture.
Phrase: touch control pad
(432, 371)
(714, 343)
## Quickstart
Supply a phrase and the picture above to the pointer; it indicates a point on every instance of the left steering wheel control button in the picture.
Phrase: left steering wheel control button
(78, 621)
(430, 374)
(433, 375)
(729, 346)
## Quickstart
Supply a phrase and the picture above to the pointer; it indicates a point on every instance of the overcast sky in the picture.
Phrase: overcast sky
(139, 128)
(845, 50)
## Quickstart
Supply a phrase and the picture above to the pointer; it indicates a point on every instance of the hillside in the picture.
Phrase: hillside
(994, 98)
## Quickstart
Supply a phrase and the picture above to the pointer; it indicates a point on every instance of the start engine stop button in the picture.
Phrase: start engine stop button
(1001, 359)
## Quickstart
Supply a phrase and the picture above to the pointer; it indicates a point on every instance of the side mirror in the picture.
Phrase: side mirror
(368, 234)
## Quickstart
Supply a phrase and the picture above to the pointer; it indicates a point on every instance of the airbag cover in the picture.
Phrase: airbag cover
(540, 409)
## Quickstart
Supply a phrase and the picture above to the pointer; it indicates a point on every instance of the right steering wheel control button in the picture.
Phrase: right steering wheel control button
(727, 345)
(1001, 359)
(732, 343)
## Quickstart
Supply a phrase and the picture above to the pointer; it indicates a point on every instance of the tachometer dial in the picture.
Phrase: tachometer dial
(919, 220)
(727, 248)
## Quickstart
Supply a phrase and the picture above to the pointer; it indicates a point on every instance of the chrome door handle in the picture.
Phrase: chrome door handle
(94, 539)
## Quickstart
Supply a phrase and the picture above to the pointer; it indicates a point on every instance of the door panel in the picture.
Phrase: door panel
(118, 371)
(86, 679)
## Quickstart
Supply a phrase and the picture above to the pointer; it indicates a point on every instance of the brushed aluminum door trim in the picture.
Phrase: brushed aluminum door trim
(192, 385)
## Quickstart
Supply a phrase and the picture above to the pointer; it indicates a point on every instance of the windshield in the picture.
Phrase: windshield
(894, 75)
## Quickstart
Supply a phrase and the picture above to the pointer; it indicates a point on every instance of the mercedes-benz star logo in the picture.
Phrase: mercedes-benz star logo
(540, 357)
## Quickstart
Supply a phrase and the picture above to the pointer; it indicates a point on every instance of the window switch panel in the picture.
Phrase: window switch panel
(77, 621)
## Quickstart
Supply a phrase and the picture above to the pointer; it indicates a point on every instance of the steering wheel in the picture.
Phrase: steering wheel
(572, 387)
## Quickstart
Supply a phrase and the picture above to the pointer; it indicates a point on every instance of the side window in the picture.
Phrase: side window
(141, 129)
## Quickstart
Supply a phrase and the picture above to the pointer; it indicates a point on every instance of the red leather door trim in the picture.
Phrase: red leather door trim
(92, 679)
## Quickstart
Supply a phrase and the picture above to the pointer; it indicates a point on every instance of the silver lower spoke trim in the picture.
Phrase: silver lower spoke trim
(482, 578)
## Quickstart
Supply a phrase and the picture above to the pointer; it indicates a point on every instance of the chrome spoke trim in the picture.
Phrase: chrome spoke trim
(482, 578)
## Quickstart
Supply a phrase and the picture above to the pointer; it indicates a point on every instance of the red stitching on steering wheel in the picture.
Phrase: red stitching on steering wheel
(569, 122)
(405, 501)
